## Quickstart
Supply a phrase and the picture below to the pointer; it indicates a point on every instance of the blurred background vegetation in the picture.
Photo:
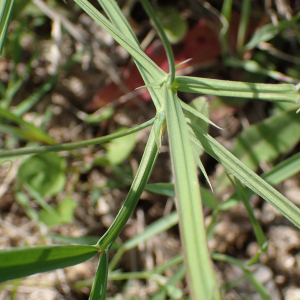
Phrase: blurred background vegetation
(64, 79)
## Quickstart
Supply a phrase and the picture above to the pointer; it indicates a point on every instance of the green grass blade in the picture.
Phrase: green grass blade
(260, 289)
(259, 234)
(271, 92)
(117, 18)
(5, 11)
(197, 114)
(20, 262)
(254, 67)
(151, 230)
(98, 291)
(143, 60)
(278, 174)
(268, 32)
(201, 277)
(248, 177)
(137, 187)
(34, 98)
(244, 21)
(35, 132)
(265, 141)
(226, 13)
(72, 146)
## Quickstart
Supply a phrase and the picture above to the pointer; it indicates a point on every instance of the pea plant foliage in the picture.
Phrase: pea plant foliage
(186, 137)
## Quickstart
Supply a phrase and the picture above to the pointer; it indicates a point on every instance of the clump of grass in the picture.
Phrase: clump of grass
(186, 137)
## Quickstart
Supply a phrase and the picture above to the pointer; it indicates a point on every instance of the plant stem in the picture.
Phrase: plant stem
(72, 146)
(137, 187)
(151, 13)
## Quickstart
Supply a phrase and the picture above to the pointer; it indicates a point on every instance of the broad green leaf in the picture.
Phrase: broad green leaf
(268, 32)
(63, 213)
(98, 291)
(5, 11)
(20, 262)
(265, 141)
(44, 172)
(271, 92)
(248, 177)
(119, 149)
(174, 26)
(201, 277)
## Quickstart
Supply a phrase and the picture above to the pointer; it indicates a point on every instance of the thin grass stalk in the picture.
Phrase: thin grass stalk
(170, 56)
(72, 146)
(137, 187)
(243, 26)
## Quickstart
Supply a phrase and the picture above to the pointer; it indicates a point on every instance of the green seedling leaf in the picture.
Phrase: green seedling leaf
(265, 141)
(63, 213)
(268, 32)
(174, 26)
(119, 149)
(5, 11)
(45, 173)
(98, 291)
(24, 201)
(19, 262)
(270, 92)
(167, 189)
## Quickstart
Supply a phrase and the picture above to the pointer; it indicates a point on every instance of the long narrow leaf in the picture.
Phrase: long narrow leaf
(201, 277)
(20, 262)
(5, 11)
(271, 92)
(248, 177)
(153, 70)
(98, 291)
(116, 16)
